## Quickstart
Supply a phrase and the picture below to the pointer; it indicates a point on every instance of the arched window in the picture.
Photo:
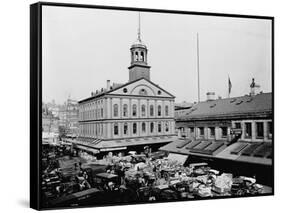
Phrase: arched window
(159, 127)
(151, 127)
(142, 56)
(166, 110)
(151, 110)
(143, 110)
(125, 110)
(159, 110)
(115, 129)
(136, 56)
(115, 110)
(134, 128)
(101, 112)
(125, 129)
(143, 127)
(134, 111)
(167, 127)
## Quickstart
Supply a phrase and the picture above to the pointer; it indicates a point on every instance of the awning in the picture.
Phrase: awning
(94, 151)
(178, 157)
(113, 149)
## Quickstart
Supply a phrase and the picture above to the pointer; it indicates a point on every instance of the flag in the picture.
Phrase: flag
(229, 86)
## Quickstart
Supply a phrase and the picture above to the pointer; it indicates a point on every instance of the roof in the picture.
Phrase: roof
(248, 152)
(120, 86)
(183, 105)
(261, 103)
(138, 44)
(123, 143)
(195, 147)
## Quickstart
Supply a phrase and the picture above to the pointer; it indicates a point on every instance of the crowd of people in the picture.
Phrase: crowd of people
(144, 176)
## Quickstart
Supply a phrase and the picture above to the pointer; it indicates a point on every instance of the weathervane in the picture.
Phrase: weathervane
(139, 29)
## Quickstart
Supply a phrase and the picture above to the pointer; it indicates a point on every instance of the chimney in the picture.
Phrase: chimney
(254, 87)
(210, 96)
(108, 85)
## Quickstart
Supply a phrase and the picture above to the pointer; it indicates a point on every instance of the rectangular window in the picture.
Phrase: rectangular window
(201, 131)
(269, 129)
(115, 129)
(212, 131)
(191, 130)
(248, 130)
(224, 132)
(237, 125)
(259, 126)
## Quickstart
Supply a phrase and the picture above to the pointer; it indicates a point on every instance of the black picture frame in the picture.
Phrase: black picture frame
(36, 93)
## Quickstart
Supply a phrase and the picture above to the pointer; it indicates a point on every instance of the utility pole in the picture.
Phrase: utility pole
(198, 74)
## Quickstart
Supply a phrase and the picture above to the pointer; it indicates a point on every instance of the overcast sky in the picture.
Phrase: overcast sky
(82, 48)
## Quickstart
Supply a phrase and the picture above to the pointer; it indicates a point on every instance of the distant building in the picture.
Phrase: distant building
(52, 108)
(128, 116)
(68, 117)
(50, 124)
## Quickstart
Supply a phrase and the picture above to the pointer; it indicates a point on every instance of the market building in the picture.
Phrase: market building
(232, 133)
(214, 119)
(127, 116)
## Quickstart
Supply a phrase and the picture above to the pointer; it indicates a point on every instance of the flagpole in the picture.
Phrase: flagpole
(198, 75)
(228, 86)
